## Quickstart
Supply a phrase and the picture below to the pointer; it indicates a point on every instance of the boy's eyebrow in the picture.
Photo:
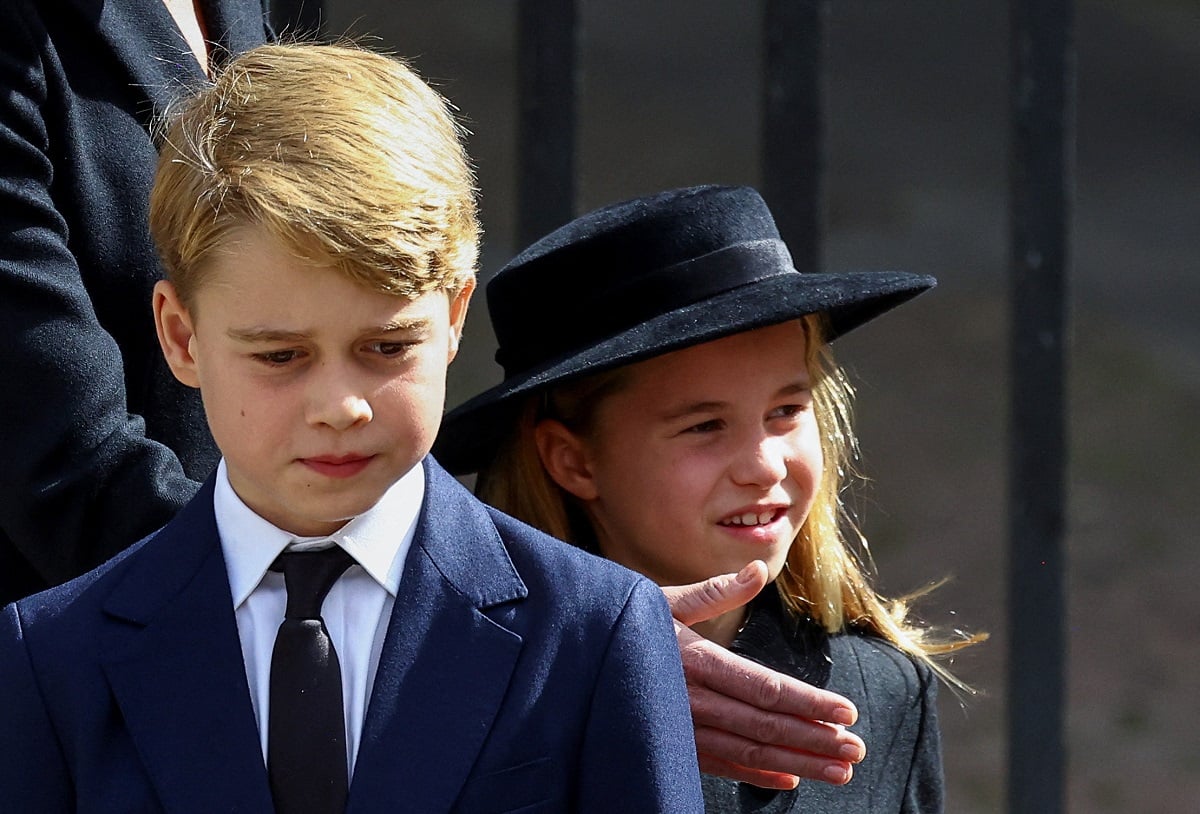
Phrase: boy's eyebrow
(264, 334)
(691, 408)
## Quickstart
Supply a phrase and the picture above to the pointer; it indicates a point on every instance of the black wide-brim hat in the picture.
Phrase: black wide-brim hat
(641, 278)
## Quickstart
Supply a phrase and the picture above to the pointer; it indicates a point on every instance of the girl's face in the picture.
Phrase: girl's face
(707, 458)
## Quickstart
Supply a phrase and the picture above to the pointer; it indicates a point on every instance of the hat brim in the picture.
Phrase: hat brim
(471, 433)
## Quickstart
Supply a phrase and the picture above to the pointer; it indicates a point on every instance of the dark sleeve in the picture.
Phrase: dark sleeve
(80, 479)
(639, 753)
(33, 771)
(925, 791)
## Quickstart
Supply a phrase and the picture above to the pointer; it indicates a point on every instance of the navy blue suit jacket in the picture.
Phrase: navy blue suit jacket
(518, 673)
(101, 444)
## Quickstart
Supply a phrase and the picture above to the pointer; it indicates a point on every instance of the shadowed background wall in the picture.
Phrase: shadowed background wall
(917, 136)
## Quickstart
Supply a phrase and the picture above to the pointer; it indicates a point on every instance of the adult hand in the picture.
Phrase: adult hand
(752, 723)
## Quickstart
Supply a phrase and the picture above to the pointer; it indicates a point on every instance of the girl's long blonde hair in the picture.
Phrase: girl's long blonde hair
(825, 576)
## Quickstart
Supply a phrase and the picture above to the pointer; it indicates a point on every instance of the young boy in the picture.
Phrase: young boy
(315, 214)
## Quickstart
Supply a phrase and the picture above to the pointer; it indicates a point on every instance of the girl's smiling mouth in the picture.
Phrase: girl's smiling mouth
(753, 517)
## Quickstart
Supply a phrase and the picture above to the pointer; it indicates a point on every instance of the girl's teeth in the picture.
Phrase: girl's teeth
(751, 519)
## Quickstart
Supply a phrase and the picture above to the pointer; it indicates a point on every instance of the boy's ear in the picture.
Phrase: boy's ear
(175, 329)
(458, 315)
(565, 457)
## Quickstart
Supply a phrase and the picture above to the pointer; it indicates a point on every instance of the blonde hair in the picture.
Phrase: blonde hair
(824, 578)
(341, 154)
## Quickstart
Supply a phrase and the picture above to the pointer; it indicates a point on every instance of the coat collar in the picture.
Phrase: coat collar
(446, 665)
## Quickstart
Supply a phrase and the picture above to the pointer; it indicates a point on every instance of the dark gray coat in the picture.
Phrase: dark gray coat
(897, 706)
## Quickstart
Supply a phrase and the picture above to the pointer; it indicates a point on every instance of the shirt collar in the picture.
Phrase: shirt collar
(378, 539)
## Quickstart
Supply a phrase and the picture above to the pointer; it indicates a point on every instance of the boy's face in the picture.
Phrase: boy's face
(320, 392)
(706, 458)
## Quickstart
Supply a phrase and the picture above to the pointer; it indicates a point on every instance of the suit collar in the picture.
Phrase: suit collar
(457, 534)
(174, 662)
(378, 539)
(446, 665)
(453, 530)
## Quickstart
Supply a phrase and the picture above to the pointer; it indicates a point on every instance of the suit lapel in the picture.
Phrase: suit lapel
(175, 666)
(234, 26)
(445, 665)
(145, 40)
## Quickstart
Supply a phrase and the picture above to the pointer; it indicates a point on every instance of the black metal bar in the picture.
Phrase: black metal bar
(793, 124)
(547, 82)
(298, 17)
(1042, 97)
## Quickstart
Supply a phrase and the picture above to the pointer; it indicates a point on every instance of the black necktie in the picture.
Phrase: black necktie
(306, 743)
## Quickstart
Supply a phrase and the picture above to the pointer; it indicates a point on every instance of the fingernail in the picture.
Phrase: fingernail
(851, 752)
(844, 715)
(746, 574)
(837, 774)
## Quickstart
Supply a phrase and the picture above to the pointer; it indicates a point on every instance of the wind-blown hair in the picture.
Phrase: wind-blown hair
(825, 577)
(344, 156)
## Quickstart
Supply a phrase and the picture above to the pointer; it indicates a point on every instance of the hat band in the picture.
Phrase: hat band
(646, 296)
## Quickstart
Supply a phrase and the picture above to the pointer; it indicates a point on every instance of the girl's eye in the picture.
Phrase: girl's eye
(786, 411)
(712, 425)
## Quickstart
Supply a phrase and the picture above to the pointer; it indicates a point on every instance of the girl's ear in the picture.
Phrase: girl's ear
(175, 329)
(564, 455)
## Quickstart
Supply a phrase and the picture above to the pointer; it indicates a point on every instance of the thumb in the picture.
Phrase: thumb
(705, 600)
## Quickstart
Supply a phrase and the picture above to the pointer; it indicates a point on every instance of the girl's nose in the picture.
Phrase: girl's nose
(761, 463)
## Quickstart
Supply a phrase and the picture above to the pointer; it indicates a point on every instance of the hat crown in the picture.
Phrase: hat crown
(616, 267)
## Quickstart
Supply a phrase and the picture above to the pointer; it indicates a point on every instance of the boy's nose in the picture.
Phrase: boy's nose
(344, 412)
(336, 404)
(762, 463)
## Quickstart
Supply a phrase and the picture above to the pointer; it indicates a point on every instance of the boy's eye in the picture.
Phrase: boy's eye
(277, 357)
(712, 425)
(389, 348)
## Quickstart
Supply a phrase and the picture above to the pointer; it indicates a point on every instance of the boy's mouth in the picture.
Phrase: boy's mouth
(338, 466)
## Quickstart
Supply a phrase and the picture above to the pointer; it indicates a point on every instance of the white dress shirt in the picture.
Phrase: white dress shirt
(357, 609)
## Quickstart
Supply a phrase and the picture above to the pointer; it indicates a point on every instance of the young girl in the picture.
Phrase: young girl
(670, 402)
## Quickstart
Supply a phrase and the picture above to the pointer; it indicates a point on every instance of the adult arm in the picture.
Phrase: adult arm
(753, 724)
(80, 479)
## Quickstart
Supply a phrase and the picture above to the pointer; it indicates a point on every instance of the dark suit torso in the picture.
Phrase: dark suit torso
(518, 673)
(80, 83)
(897, 705)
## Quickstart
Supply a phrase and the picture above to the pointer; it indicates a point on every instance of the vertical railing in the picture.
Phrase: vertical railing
(547, 83)
(1042, 96)
(793, 124)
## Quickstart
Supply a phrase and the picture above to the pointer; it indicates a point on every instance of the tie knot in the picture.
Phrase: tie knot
(308, 576)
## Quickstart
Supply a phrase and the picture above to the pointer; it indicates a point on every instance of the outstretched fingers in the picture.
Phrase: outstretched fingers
(758, 726)
(724, 754)
(752, 723)
(716, 669)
